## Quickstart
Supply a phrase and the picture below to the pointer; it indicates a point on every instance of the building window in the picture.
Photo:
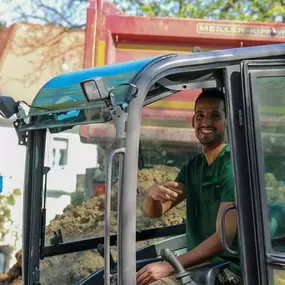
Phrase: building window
(59, 152)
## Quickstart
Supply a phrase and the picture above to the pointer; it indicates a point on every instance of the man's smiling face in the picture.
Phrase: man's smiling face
(210, 121)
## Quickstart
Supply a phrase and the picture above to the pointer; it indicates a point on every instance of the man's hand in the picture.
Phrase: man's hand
(161, 198)
(153, 272)
(168, 191)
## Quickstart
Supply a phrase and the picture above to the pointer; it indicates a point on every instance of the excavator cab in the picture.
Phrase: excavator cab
(66, 248)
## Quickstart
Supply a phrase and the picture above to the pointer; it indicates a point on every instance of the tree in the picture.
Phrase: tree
(244, 10)
(72, 13)
(68, 14)
(6, 202)
(47, 49)
(53, 46)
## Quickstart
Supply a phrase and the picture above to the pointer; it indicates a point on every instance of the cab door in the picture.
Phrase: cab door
(263, 83)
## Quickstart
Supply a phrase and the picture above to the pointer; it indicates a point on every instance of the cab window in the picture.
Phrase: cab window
(271, 100)
(74, 199)
(167, 141)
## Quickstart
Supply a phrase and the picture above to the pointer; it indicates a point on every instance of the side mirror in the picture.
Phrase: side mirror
(8, 107)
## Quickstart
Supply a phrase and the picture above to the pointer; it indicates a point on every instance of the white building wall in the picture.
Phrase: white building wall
(79, 157)
(12, 167)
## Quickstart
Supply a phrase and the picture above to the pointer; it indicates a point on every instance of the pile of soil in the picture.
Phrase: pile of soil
(87, 219)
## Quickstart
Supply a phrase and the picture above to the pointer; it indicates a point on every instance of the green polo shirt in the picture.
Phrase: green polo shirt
(208, 186)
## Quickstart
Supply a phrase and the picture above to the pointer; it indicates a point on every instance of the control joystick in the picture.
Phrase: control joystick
(182, 276)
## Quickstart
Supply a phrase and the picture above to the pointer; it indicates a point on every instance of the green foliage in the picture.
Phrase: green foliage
(6, 201)
(77, 198)
(17, 192)
(274, 189)
(253, 10)
(70, 13)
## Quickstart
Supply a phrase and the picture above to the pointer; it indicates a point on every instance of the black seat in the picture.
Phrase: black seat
(208, 274)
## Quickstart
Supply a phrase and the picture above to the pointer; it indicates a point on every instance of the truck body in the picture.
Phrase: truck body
(112, 37)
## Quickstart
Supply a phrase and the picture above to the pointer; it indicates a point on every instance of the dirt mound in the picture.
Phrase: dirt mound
(14, 275)
(87, 220)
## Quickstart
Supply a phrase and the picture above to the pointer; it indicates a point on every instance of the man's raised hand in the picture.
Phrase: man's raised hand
(168, 191)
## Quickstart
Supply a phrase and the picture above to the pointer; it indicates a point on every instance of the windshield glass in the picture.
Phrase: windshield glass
(167, 141)
(75, 201)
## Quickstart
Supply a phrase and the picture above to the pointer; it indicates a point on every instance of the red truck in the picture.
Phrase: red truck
(114, 37)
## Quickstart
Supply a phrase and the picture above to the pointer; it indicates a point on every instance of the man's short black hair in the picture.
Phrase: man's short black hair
(211, 93)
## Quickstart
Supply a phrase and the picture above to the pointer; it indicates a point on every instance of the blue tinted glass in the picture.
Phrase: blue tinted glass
(64, 91)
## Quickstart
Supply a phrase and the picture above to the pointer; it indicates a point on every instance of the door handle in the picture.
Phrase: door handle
(223, 229)
(107, 213)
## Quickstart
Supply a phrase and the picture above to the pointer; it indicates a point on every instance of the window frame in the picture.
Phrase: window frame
(65, 141)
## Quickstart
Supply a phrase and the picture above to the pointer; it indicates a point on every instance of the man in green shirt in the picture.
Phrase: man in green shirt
(206, 182)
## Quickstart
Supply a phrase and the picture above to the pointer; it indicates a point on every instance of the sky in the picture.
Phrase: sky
(6, 10)
(9, 16)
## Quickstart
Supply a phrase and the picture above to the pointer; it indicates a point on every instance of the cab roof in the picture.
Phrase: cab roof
(61, 101)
